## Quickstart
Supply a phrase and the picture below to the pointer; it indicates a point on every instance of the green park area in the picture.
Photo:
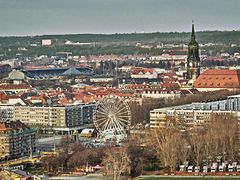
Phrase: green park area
(187, 178)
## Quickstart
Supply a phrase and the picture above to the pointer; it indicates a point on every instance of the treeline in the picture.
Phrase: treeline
(116, 43)
(224, 37)
(76, 50)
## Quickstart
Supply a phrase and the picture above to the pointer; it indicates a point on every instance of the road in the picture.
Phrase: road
(88, 177)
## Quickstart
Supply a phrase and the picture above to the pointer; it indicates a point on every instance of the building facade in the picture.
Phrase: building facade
(4, 70)
(54, 116)
(196, 114)
(186, 119)
(6, 113)
(17, 140)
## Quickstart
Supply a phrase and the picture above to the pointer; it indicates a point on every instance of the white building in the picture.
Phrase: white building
(46, 42)
(191, 115)
(144, 73)
(158, 93)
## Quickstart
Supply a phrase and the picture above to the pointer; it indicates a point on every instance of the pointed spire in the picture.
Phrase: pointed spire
(193, 31)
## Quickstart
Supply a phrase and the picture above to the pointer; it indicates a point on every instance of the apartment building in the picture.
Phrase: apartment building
(196, 114)
(17, 140)
(6, 113)
(186, 119)
(54, 116)
(40, 116)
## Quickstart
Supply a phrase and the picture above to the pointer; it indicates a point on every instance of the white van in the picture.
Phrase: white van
(221, 168)
(182, 168)
(238, 168)
(196, 168)
(230, 168)
(213, 169)
(205, 169)
(190, 169)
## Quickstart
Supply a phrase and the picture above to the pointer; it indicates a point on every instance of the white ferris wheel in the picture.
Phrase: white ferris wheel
(112, 117)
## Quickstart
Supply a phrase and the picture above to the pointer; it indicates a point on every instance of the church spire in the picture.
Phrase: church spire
(193, 31)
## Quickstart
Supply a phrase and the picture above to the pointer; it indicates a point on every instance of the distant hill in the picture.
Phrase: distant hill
(169, 37)
(115, 43)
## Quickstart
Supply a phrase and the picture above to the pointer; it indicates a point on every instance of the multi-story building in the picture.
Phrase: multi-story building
(6, 113)
(186, 119)
(4, 70)
(15, 88)
(17, 140)
(191, 115)
(58, 117)
(161, 93)
(143, 73)
(40, 116)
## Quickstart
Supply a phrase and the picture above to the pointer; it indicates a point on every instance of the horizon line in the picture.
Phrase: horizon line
(116, 33)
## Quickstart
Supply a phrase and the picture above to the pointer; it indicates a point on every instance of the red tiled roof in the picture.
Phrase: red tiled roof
(142, 70)
(13, 125)
(36, 67)
(5, 65)
(14, 86)
(170, 85)
(7, 97)
(136, 86)
(218, 78)
(216, 58)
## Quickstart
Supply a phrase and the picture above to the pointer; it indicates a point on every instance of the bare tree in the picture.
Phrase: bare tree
(222, 137)
(117, 161)
(169, 145)
(197, 143)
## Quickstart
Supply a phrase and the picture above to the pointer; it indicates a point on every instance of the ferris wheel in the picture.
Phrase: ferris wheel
(112, 117)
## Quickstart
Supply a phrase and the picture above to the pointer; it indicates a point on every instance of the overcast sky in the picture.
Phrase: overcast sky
(36, 17)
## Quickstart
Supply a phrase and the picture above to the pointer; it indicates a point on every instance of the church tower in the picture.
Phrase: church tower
(193, 60)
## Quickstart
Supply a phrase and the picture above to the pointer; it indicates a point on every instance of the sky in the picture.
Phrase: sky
(37, 17)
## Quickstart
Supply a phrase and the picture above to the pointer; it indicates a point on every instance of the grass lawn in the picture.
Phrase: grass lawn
(34, 170)
(187, 178)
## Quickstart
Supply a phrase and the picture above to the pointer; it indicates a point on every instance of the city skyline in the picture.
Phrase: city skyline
(33, 17)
